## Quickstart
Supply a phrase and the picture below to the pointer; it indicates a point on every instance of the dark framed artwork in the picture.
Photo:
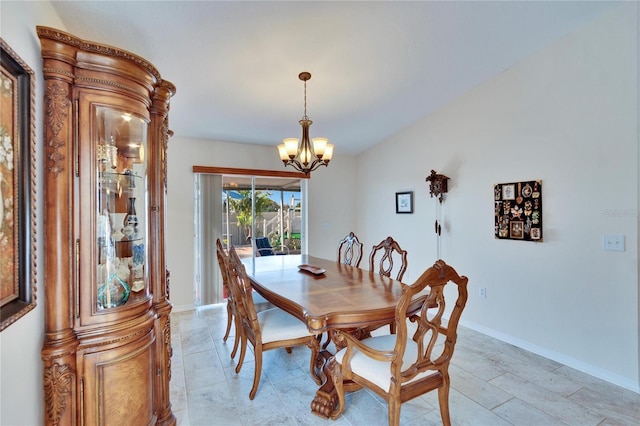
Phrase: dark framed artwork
(17, 190)
(509, 191)
(516, 229)
(404, 202)
(518, 210)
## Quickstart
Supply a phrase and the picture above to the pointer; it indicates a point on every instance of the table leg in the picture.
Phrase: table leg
(326, 399)
(325, 402)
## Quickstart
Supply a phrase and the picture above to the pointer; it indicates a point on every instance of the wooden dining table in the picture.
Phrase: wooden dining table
(331, 297)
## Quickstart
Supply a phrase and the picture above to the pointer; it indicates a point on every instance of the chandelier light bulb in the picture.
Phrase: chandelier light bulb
(291, 146)
(319, 146)
(328, 153)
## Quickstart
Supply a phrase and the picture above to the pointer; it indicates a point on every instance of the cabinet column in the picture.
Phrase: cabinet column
(159, 275)
(60, 341)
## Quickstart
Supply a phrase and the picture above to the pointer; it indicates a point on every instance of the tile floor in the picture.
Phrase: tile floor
(493, 383)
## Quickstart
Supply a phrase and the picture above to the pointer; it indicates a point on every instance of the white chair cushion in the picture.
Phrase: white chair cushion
(379, 372)
(276, 324)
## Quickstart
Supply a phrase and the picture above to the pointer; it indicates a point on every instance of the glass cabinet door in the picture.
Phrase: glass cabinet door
(122, 233)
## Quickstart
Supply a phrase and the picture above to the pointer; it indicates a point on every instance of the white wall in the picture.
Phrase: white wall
(331, 203)
(21, 391)
(567, 115)
(333, 210)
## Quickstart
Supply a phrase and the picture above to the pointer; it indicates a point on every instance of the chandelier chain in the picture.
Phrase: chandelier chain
(305, 101)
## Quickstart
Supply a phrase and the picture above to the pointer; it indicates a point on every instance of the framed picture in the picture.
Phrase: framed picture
(404, 202)
(517, 229)
(509, 192)
(535, 233)
(17, 190)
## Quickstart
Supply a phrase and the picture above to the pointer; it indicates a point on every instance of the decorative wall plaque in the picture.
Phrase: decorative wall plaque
(518, 210)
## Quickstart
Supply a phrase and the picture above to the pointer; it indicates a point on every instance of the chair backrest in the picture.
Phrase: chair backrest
(433, 353)
(350, 250)
(242, 292)
(263, 247)
(223, 256)
(389, 249)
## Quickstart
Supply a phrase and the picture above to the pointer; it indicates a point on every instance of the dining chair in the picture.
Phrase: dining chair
(232, 317)
(350, 250)
(399, 367)
(389, 249)
(264, 330)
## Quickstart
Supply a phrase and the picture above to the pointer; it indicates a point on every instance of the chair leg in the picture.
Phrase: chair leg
(236, 340)
(243, 350)
(229, 320)
(288, 349)
(258, 371)
(443, 400)
(394, 412)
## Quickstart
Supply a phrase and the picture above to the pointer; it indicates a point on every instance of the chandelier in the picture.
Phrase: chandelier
(304, 157)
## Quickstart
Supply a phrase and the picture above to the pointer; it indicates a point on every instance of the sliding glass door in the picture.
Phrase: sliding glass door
(257, 208)
(248, 212)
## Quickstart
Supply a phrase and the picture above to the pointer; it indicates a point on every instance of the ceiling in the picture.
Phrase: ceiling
(376, 67)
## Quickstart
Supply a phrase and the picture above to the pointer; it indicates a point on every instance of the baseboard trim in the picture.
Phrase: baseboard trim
(582, 366)
(183, 308)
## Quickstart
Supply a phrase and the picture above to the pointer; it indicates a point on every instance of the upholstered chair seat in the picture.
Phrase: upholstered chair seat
(378, 372)
(277, 324)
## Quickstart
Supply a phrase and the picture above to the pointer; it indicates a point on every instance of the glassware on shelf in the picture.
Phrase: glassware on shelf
(117, 223)
(104, 237)
(108, 156)
(137, 267)
(132, 217)
(114, 292)
(130, 178)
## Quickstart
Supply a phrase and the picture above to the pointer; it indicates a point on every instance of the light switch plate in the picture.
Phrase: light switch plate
(613, 242)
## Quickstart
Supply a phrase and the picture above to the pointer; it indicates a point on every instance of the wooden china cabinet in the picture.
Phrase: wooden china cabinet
(107, 346)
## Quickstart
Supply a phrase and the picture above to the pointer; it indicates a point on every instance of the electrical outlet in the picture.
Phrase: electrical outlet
(483, 292)
(613, 242)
